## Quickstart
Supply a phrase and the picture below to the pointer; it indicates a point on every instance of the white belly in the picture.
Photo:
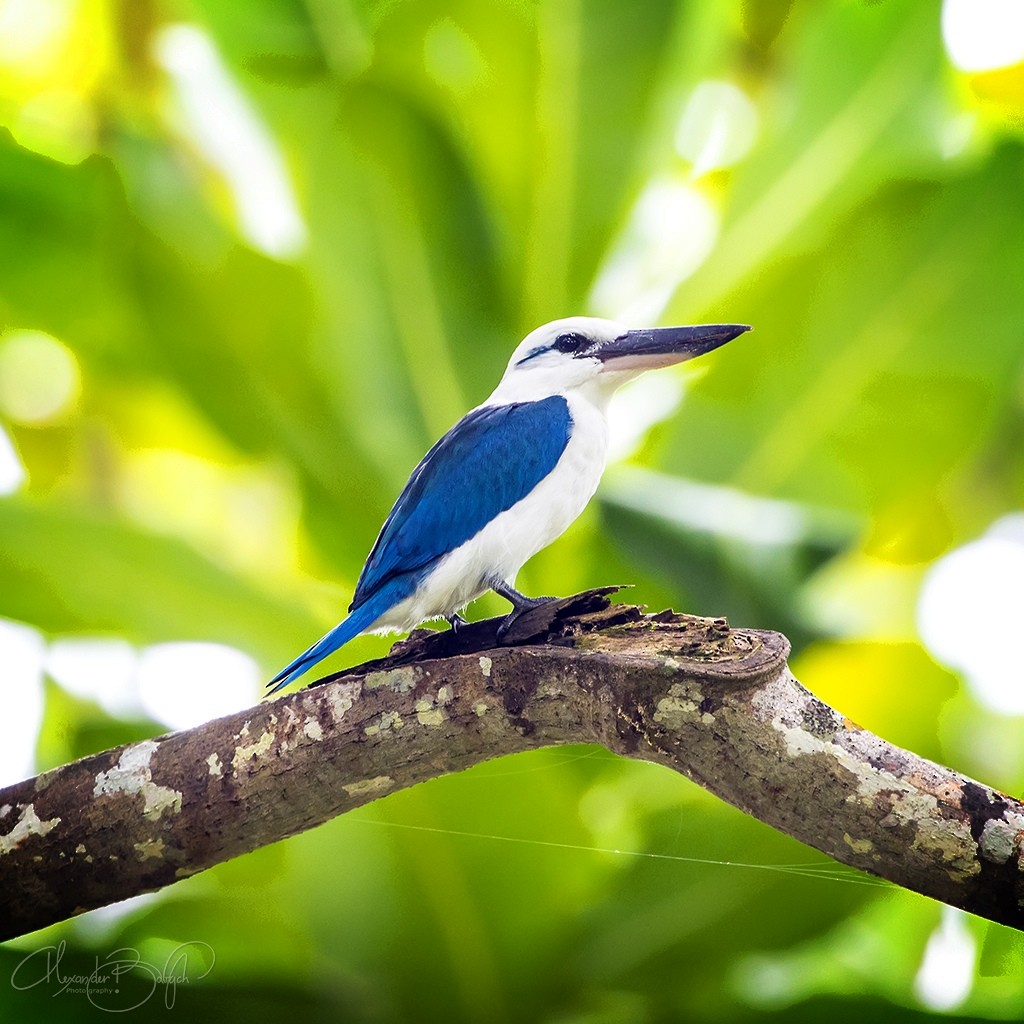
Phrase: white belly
(501, 548)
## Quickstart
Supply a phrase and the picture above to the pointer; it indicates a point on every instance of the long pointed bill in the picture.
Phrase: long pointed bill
(652, 347)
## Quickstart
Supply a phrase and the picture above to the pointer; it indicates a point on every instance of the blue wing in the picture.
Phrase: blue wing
(489, 460)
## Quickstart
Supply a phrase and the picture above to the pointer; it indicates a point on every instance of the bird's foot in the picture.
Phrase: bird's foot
(456, 621)
(517, 613)
(526, 603)
(520, 602)
(520, 605)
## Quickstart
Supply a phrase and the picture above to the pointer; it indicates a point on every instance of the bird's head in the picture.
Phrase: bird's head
(583, 351)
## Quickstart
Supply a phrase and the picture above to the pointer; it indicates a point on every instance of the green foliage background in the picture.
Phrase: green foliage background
(464, 171)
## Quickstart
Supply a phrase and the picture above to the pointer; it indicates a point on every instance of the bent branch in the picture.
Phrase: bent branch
(716, 704)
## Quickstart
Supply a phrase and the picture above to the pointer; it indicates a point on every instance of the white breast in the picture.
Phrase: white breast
(501, 548)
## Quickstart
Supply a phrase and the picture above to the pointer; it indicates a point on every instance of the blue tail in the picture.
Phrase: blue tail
(362, 618)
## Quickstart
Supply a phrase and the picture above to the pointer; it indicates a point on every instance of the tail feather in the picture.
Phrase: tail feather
(362, 618)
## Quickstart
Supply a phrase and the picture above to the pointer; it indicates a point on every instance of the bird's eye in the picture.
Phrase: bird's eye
(570, 343)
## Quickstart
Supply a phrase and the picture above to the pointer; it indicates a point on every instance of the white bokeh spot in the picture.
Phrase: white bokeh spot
(100, 670)
(21, 654)
(982, 35)
(671, 230)
(946, 975)
(39, 378)
(186, 684)
(12, 469)
(219, 120)
(718, 128)
(971, 609)
(180, 685)
(31, 29)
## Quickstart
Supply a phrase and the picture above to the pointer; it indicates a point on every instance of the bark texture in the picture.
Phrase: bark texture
(717, 704)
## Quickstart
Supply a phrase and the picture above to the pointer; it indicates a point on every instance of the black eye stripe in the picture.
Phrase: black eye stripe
(571, 342)
(533, 353)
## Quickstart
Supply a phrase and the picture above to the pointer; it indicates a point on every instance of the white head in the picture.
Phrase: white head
(586, 352)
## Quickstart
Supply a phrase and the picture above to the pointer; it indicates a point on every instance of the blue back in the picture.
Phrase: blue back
(491, 459)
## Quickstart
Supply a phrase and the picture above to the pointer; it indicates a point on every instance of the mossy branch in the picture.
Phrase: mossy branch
(716, 704)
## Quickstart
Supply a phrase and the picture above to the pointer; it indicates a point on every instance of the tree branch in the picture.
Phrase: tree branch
(716, 704)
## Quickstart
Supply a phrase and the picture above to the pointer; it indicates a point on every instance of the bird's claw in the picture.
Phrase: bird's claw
(506, 624)
(525, 605)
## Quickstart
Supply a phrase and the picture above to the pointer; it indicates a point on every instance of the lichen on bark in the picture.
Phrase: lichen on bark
(716, 704)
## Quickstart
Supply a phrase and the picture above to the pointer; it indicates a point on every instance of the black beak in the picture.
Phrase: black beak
(652, 347)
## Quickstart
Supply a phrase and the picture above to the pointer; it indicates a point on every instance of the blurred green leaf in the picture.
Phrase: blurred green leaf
(724, 552)
(833, 399)
(1002, 952)
(832, 147)
(68, 570)
(463, 171)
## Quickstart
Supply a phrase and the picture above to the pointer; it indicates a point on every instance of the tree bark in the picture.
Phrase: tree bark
(717, 704)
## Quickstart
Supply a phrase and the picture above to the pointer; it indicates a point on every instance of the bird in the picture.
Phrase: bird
(506, 480)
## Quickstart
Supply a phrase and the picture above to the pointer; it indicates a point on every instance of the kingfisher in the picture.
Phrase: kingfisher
(506, 480)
